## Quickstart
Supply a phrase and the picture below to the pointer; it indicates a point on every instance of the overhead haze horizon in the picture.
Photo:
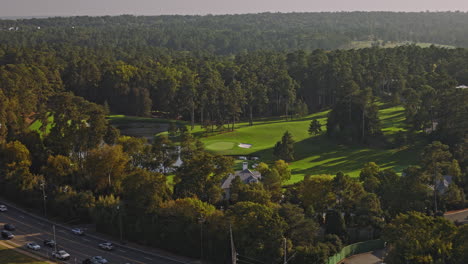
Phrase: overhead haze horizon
(48, 8)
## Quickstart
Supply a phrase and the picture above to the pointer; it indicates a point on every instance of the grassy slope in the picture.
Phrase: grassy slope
(9, 256)
(317, 154)
(368, 44)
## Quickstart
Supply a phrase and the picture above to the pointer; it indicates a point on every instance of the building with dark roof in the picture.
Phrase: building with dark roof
(246, 176)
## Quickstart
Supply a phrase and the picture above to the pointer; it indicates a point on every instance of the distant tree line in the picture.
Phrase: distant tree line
(231, 34)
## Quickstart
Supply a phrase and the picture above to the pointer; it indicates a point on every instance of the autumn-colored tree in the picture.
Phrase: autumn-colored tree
(59, 170)
(105, 169)
(201, 176)
(144, 191)
(317, 193)
(418, 238)
(251, 218)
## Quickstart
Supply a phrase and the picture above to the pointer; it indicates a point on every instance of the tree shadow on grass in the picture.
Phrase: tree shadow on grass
(325, 156)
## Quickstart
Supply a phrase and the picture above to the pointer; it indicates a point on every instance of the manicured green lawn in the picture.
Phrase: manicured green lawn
(317, 154)
(9, 256)
(37, 125)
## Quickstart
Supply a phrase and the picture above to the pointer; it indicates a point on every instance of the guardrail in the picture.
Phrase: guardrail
(357, 248)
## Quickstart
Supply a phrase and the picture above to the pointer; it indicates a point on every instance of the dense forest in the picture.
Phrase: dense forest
(218, 91)
(231, 34)
(72, 72)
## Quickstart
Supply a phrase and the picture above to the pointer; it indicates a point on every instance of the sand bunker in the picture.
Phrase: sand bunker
(245, 145)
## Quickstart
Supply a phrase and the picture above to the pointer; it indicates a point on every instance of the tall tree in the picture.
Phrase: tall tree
(284, 149)
(315, 128)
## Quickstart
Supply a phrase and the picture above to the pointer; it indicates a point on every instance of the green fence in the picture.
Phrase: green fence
(357, 248)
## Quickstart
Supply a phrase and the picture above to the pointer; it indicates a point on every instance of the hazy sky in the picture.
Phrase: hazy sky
(157, 7)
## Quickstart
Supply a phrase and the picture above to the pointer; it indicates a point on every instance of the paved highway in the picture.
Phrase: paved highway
(30, 228)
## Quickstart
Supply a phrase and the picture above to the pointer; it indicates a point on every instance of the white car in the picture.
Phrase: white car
(106, 246)
(33, 246)
(99, 259)
(78, 231)
(3, 208)
(61, 254)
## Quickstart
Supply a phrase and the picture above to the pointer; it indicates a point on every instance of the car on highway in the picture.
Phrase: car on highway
(61, 255)
(33, 246)
(7, 235)
(9, 227)
(106, 246)
(49, 243)
(89, 261)
(3, 208)
(78, 231)
(99, 259)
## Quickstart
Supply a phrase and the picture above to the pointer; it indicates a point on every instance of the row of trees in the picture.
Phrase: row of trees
(218, 91)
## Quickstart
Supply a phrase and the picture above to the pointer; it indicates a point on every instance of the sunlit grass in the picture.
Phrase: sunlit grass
(318, 154)
(10, 256)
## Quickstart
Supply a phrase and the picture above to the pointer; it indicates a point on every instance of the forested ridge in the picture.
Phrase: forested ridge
(70, 80)
(231, 34)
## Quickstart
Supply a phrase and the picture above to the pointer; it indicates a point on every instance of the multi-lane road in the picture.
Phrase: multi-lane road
(30, 228)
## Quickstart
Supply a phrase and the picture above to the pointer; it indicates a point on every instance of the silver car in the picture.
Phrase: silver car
(33, 246)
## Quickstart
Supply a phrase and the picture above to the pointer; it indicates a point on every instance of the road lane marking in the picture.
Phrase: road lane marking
(148, 258)
(122, 251)
(22, 216)
(24, 235)
(86, 240)
(75, 242)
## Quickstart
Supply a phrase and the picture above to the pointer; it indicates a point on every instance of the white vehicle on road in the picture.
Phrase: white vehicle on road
(106, 246)
(99, 259)
(78, 231)
(33, 246)
(61, 254)
(3, 208)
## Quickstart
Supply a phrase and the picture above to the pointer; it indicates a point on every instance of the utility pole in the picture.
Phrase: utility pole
(285, 251)
(55, 239)
(120, 223)
(201, 220)
(233, 249)
(435, 186)
(44, 197)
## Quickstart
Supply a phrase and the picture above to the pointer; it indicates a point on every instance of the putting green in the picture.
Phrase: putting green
(221, 145)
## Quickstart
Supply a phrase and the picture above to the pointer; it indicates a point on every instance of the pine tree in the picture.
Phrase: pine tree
(284, 149)
(315, 127)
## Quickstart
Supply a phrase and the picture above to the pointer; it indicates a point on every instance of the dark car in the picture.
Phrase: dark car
(9, 227)
(89, 261)
(49, 243)
(7, 235)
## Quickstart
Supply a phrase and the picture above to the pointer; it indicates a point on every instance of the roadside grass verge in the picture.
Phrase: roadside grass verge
(10, 256)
